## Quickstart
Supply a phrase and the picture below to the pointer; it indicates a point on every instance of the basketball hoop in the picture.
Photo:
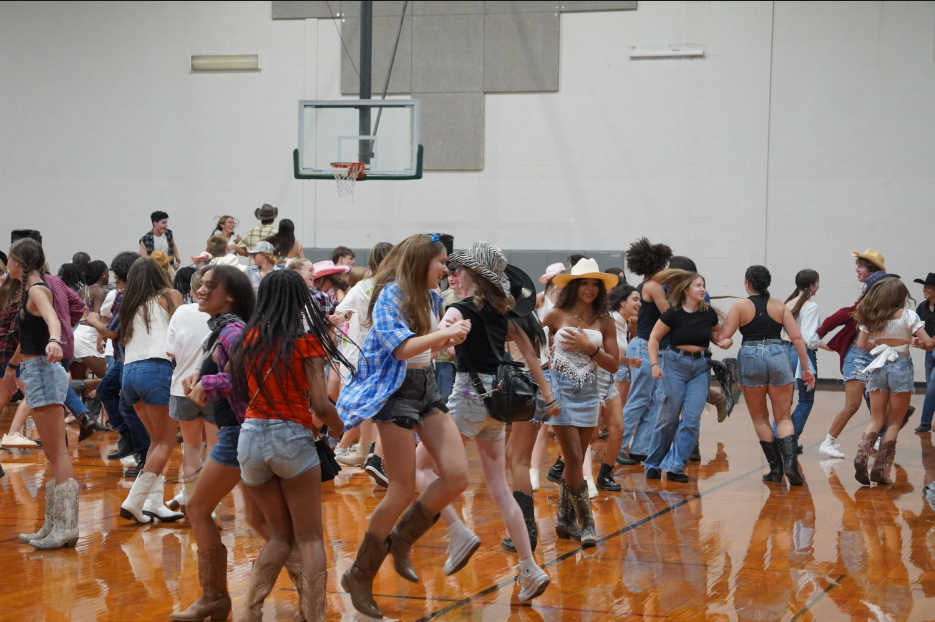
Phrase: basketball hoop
(346, 174)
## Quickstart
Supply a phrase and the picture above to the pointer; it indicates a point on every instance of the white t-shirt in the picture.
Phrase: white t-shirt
(356, 301)
(161, 243)
(621, 325)
(105, 316)
(187, 331)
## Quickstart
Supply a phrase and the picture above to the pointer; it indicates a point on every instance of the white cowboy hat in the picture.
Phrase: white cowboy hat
(586, 269)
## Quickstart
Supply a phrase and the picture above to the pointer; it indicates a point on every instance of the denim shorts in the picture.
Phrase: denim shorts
(46, 383)
(275, 448)
(580, 407)
(764, 363)
(183, 409)
(895, 376)
(606, 385)
(148, 382)
(855, 361)
(541, 415)
(469, 412)
(416, 397)
(623, 374)
(225, 451)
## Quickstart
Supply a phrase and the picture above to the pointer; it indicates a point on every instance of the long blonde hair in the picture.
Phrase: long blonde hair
(678, 282)
(408, 265)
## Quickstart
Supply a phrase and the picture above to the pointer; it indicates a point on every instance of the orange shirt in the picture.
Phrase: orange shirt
(286, 399)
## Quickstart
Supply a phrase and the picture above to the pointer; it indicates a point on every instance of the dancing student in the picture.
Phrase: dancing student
(266, 215)
(883, 318)
(692, 325)
(88, 343)
(584, 339)
(279, 370)
(765, 370)
(11, 296)
(285, 246)
(807, 318)
(926, 312)
(160, 238)
(264, 259)
(148, 304)
(639, 415)
(486, 301)
(45, 384)
(225, 228)
(187, 331)
(226, 295)
(870, 269)
(400, 396)
(325, 273)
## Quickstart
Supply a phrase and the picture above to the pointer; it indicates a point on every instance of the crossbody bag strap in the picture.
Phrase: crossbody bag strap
(252, 399)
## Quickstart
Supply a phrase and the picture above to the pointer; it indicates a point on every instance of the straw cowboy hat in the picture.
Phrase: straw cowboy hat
(485, 260)
(586, 269)
(873, 257)
(551, 272)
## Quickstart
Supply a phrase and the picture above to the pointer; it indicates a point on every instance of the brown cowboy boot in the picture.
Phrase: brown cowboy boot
(262, 580)
(863, 454)
(884, 458)
(582, 504)
(358, 580)
(313, 597)
(294, 570)
(414, 522)
(565, 519)
(214, 600)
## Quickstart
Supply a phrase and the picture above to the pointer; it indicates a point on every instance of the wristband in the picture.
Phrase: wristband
(595, 353)
(550, 403)
(54, 340)
(12, 366)
(655, 365)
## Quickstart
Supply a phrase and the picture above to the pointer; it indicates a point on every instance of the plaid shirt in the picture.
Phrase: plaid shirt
(9, 332)
(256, 235)
(326, 304)
(379, 374)
(69, 308)
(220, 385)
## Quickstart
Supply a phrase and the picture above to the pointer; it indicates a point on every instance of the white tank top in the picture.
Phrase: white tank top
(148, 345)
(426, 357)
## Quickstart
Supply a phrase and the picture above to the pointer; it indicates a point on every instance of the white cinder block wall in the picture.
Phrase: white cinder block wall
(805, 133)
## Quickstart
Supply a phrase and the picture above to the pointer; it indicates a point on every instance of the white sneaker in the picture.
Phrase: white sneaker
(592, 489)
(876, 446)
(829, 449)
(18, 441)
(534, 479)
(533, 582)
(341, 451)
(461, 545)
(129, 462)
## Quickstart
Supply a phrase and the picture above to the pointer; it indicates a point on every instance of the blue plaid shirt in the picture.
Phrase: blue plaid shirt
(379, 374)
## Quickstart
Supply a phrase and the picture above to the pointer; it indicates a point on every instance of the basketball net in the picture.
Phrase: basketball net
(346, 174)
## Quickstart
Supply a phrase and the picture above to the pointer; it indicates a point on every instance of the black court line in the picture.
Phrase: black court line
(818, 597)
(465, 601)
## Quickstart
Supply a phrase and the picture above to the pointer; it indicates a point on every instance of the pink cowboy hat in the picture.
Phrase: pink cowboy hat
(324, 268)
(551, 272)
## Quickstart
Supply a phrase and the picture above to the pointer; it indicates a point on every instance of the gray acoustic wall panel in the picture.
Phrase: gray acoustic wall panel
(521, 52)
(381, 8)
(433, 7)
(448, 53)
(384, 35)
(452, 131)
(573, 7)
(304, 10)
(522, 7)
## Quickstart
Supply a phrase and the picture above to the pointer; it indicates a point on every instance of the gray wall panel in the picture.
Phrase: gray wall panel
(522, 7)
(452, 131)
(384, 35)
(572, 7)
(304, 10)
(448, 53)
(382, 8)
(521, 52)
(421, 7)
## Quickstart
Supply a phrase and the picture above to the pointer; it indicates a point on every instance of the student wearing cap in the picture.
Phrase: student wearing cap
(264, 262)
(266, 215)
(926, 311)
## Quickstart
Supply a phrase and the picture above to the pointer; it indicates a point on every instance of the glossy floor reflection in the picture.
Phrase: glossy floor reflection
(724, 547)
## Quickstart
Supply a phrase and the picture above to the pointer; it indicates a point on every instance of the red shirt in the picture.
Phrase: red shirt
(841, 342)
(286, 399)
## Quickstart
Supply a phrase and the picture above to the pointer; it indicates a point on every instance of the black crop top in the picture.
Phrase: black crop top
(689, 329)
(476, 346)
(224, 415)
(33, 331)
(762, 326)
(647, 315)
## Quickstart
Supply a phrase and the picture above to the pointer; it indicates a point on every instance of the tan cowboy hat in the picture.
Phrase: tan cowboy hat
(873, 257)
(586, 269)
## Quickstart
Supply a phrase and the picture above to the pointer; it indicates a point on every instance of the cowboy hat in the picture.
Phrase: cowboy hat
(586, 269)
(873, 257)
(929, 280)
(267, 212)
(485, 260)
(325, 268)
(523, 291)
(551, 272)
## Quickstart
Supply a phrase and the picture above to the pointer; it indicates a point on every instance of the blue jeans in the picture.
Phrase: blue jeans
(74, 404)
(122, 416)
(639, 415)
(806, 398)
(445, 378)
(928, 406)
(683, 390)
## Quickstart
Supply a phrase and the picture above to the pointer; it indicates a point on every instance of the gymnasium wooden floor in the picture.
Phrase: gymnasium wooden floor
(724, 547)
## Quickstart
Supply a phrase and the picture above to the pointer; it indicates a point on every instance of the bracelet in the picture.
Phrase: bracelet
(654, 365)
(595, 353)
(12, 366)
(54, 340)
(550, 403)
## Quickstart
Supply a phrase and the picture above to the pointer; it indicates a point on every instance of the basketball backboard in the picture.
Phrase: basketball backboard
(383, 134)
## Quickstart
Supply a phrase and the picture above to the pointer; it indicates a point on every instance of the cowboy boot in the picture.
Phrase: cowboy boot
(565, 525)
(358, 580)
(863, 454)
(884, 458)
(414, 522)
(529, 516)
(179, 501)
(262, 580)
(64, 532)
(47, 526)
(774, 458)
(132, 507)
(313, 597)
(214, 600)
(294, 570)
(154, 507)
(582, 507)
(790, 459)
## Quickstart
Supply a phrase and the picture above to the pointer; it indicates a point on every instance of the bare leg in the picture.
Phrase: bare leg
(574, 443)
(519, 449)
(303, 496)
(214, 483)
(161, 428)
(270, 498)
(400, 472)
(191, 447)
(52, 431)
(542, 437)
(350, 436)
(425, 476)
(780, 399)
(97, 365)
(899, 404)
(612, 413)
(759, 413)
(22, 412)
(492, 462)
(853, 395)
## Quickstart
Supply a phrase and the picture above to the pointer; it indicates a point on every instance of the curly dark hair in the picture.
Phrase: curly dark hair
(759, 278)
(569, 294)
(645, 258)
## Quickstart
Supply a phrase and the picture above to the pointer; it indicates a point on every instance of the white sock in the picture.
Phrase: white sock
(459, 529)
(527, 565)
(829, 439)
